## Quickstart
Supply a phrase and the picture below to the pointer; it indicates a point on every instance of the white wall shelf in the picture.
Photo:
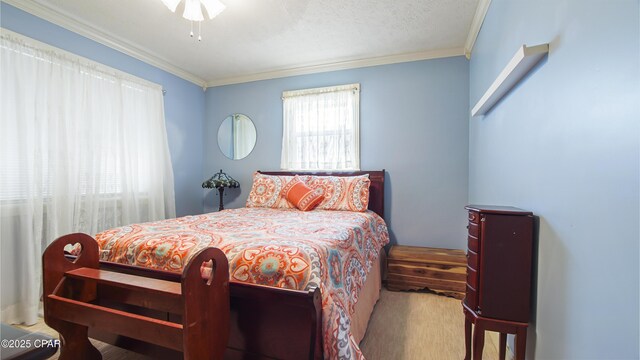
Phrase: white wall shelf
(525, 58)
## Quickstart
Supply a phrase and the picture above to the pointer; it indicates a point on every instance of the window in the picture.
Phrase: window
(83, 148)
(321, 128)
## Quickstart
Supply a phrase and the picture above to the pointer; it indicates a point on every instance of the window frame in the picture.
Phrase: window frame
(347, 129)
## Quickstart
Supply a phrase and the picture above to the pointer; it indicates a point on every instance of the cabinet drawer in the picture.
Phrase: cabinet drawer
(472, 260)
(471, 298)
(474, 217)
(472, 278)
(473, 244)
(473, 229)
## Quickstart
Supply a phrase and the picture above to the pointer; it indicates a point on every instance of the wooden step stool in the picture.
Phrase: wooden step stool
(76, 291)
(414, 268)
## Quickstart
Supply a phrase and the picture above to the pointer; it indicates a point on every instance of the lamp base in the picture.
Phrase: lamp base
(221, 192)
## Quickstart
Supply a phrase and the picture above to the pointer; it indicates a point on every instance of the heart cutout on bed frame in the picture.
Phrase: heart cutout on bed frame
(208, 270)
(72, 252)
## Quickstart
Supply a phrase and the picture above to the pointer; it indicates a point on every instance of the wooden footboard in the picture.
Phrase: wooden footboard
(275, 323)
(265, 322)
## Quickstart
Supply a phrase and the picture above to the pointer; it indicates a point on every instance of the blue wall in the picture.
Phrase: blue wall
(413, 123)
(183, 103)
(565, 145)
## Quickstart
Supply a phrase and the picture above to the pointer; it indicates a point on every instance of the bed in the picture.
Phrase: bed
(317, 308)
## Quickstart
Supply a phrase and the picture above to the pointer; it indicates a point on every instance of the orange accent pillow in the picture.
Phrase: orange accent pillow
(302, 196)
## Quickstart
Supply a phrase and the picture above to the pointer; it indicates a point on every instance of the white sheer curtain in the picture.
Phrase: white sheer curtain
(83, 148)
(321, 128)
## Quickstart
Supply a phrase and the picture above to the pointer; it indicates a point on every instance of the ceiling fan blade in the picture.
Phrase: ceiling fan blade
(171, 4)
(214, 7)
(192, 10)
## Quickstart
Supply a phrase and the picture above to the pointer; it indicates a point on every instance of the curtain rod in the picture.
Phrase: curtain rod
(40, 47)
(322, 90)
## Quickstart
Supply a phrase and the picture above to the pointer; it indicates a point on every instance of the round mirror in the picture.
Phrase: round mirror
(236, 136)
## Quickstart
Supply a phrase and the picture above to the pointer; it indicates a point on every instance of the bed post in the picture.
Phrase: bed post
(205, 320)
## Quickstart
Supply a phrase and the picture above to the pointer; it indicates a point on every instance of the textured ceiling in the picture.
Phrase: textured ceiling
(253, 37)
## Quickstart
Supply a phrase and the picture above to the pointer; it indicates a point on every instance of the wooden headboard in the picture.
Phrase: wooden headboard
(376, 189)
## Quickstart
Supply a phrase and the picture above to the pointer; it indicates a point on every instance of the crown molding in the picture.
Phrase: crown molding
(102, 37)
(341, 65)
(476, 24)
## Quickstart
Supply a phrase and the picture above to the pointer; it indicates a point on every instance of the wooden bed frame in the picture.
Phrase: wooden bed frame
(259, 325)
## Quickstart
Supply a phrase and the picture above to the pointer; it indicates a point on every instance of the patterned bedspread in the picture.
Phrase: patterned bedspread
(333, 250)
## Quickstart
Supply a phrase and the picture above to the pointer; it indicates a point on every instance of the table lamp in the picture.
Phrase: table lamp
(220, 181)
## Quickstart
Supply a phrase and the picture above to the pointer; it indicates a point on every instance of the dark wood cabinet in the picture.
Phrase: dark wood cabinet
(498, 289)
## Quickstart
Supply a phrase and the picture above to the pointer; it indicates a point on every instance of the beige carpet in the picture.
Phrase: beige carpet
(418, 325)
(404, 325)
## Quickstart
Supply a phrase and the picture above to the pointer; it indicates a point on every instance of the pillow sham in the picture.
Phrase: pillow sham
(266, 191)
(344, 193)
(302, 196)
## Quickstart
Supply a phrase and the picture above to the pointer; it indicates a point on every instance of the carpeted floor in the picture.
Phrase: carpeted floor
(404, 325)
(418, 325)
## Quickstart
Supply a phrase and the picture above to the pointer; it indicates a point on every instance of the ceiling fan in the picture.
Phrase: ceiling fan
(193, 11)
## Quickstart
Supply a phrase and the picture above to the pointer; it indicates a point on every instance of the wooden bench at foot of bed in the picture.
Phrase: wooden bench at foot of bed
(264, 322)
(80, 295)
